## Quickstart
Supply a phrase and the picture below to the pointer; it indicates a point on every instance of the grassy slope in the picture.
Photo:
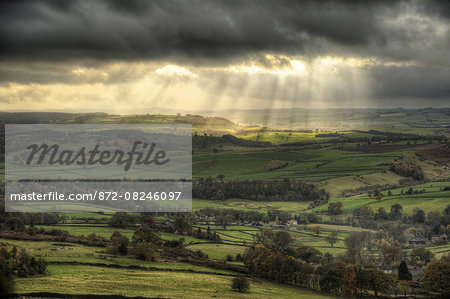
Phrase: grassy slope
(97, 280)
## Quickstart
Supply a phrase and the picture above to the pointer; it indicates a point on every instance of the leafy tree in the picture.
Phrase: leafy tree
(381, 214)
(396, 212)
(122, 220)
(183, 224)
(380, 282)
(355, 245)
(332, 280)
(403, 287)
(349, 281)
(403, 272)
(119, 244)
(289, 267)
(418, 215)
(437, 277)
(146, 251)
(317, 230)
(377, 194)
(421, 255)
(308, 254)
(433, 218)
(366, 212)
(223, 220)
(391, 252)
(275, 240)
(333, 238)
(145, 235)
(335, 208)
(240, 284)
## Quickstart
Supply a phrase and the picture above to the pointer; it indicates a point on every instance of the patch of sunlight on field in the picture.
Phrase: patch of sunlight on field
(335, 186)
(98, 280)
(283, 137)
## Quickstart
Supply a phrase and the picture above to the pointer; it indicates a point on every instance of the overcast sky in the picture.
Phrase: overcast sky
(131, 56)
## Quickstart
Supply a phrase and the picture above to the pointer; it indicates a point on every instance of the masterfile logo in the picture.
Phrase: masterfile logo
(95, 156)
(96, 152)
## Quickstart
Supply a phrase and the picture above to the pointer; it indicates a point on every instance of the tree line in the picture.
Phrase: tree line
(285, 190)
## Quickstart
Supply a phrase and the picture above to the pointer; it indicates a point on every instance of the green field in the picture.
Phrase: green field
(249, 205)
(97, 280)
(429, 201)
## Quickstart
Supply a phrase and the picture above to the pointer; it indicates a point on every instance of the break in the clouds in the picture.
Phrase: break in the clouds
(220, 54)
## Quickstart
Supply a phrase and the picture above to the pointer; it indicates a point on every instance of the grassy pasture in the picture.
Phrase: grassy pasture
(335, 186)
(53, 249)
(436, 201)
(249, 205)
(307, 165)
(187, 239)
(283, 137)
(431, 200)
(97, 280)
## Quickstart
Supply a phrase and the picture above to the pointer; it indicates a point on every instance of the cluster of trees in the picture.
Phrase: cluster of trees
(21, 262)
(17, 262)
(432, 223)
(407, 170)
(437, 277)
(309, 268)
(206, 235)
(145, 244)
(335, 208)
(350, 274)
(41, 234)
(119, 244)
(18, 221)
(367, 212)
(285, 190)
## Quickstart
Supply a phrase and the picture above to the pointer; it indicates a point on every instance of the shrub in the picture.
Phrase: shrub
(145, 251)
(240, 284)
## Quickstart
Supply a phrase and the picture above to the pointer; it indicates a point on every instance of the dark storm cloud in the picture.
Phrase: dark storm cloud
(214, 30)
(410, 82)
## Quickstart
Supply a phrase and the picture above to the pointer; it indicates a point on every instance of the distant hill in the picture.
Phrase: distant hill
(206, 121)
